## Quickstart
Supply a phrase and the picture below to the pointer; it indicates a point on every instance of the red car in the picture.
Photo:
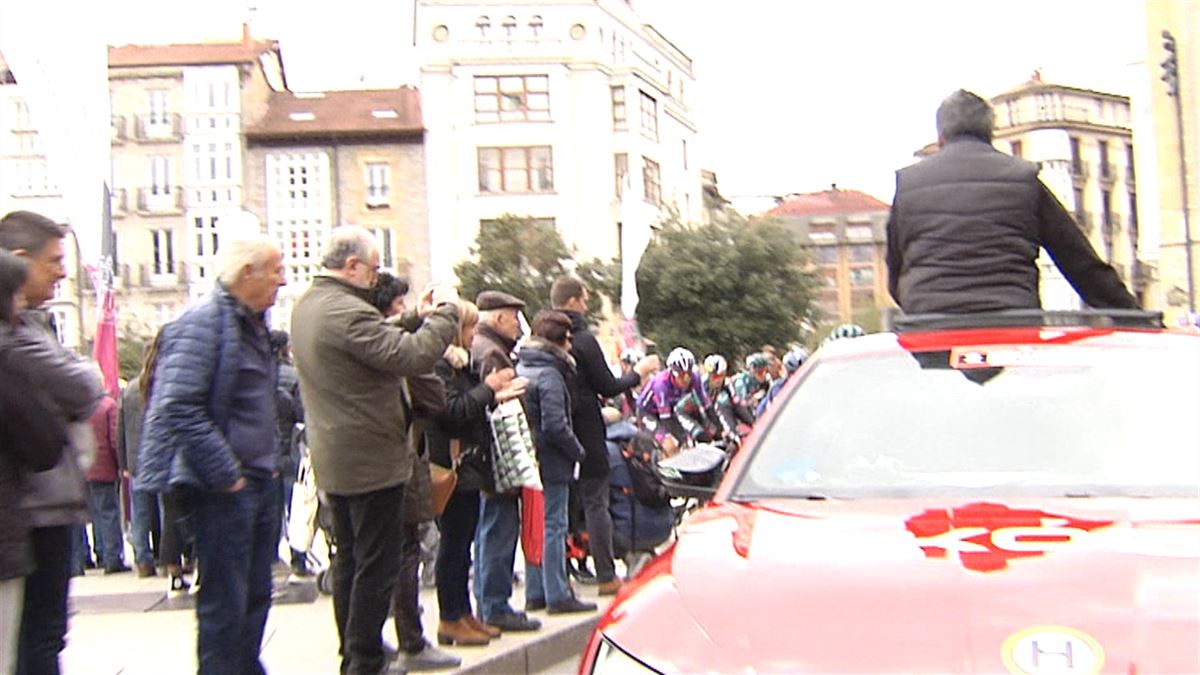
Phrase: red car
(961, 496)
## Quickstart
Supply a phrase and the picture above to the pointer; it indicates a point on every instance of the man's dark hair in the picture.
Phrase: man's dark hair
(28, 231)
(388, 288)
(13, 270)
(564, 289)
(551, 325)
(965, 114)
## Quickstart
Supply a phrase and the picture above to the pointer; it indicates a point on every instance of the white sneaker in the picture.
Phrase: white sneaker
(178, 586)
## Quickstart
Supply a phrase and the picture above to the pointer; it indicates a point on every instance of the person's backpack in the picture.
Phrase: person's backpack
(639, 454)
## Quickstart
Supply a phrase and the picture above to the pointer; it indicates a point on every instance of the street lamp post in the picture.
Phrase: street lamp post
(1170, 75)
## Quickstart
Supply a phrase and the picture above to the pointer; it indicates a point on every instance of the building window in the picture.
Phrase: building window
(859, 232)
(621, 166)
(1106, 207)
(649, 116)
(512, 98)
(213, 163)
(824, 255)
(159, 112)
(160, 176)
(862, 276)
(1129, 175)
(164, 251)
(861, 253)
(619, 116)
(1017, 149)
(1076, 158)
(298, 181)
(387, 249)
(379, 180)
(1105, 167)
(204, 233)
(522, 169)
(652, 180)
(685, 158)
(822, 232)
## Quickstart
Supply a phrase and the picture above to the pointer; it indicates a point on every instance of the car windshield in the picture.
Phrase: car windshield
(1057, 421)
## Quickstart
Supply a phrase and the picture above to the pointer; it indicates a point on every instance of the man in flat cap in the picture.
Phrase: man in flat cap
(500, 516)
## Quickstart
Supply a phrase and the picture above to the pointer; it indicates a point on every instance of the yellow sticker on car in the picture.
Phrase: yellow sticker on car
(1052, 650)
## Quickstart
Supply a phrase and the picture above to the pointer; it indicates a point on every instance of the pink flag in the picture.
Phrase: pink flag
(105, 348)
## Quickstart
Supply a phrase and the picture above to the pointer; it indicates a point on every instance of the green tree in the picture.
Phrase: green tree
(518, 255)
(604, 280)
(727, 287)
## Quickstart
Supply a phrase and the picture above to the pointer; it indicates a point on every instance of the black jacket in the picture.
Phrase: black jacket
(464, 417)
(593, 379)
(33, 435)
(548, 406)
(964, 233)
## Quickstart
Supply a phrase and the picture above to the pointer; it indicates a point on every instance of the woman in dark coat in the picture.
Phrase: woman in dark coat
(32, 435)
(460, 437)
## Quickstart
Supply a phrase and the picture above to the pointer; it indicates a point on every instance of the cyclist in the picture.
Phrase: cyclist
(748, 388)
(791, 363)
(660, 396)
(705, 423)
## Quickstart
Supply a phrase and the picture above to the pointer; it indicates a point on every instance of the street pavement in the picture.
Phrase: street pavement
(123, 625)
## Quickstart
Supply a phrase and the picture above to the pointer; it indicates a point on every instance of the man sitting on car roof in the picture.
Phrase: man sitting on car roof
(966, 225)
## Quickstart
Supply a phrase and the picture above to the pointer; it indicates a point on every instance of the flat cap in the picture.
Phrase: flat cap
(488, 300)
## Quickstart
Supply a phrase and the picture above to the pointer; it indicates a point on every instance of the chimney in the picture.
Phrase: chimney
(246, 39)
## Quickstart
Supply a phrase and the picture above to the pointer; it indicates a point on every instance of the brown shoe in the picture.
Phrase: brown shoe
(611, 587)
(146, 571)
(460, 633)
(474, 622)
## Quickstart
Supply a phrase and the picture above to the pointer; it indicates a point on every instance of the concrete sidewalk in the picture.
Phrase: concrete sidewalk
(122, 625)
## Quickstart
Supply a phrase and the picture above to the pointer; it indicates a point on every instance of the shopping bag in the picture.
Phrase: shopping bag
(515, 464)
(302, 518)
(533, 524)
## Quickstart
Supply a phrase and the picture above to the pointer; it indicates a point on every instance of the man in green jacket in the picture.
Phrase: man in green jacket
(350, 362)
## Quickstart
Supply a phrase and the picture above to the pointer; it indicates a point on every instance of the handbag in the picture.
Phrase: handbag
(442, 481)
(515, 464)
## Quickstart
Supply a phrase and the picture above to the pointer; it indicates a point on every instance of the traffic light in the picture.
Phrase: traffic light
(1170, 65)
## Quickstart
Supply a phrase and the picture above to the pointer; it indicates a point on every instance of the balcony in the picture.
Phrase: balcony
(1079, 172)
(160, 201)
(119, 202)
(119, 134)
(172, 275)
(377, 198)
(1084, 220)
(159, 128)
(1108, 172)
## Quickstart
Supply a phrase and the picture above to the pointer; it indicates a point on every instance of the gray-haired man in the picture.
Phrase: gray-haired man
(967, 222)
(350, 362)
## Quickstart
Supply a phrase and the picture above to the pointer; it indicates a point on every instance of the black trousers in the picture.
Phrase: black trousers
(406, 601)
(453, 567)
(594, 492)
(44, 614)
(367, 529)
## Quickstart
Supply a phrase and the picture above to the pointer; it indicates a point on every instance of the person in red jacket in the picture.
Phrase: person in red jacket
(102, 490)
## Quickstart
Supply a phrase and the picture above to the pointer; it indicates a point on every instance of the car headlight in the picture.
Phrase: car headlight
(612, 660)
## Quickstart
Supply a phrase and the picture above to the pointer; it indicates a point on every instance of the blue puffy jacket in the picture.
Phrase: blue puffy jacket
(645, 526)
(548, 405)
(187, 417)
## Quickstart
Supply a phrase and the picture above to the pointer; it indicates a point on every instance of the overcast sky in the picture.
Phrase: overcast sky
(791, 95)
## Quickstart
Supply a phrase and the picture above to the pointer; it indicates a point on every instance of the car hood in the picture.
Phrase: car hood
(931, 586)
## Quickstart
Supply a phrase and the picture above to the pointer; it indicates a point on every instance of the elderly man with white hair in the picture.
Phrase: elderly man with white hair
(209, 436)
(351, 362)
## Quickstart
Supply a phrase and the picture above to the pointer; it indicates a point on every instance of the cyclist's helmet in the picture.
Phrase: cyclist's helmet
(846, 330)
(714, 364)
(794, 359)
(631, 356)
(681, 360)
(757, 361)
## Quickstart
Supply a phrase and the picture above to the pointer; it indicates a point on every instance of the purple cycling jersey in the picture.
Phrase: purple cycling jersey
(659, 397)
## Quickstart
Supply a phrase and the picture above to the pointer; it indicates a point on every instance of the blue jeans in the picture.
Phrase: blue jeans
(145, 525)
(499, 530)
(106, 524)
(236, 536)
(548, 583)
